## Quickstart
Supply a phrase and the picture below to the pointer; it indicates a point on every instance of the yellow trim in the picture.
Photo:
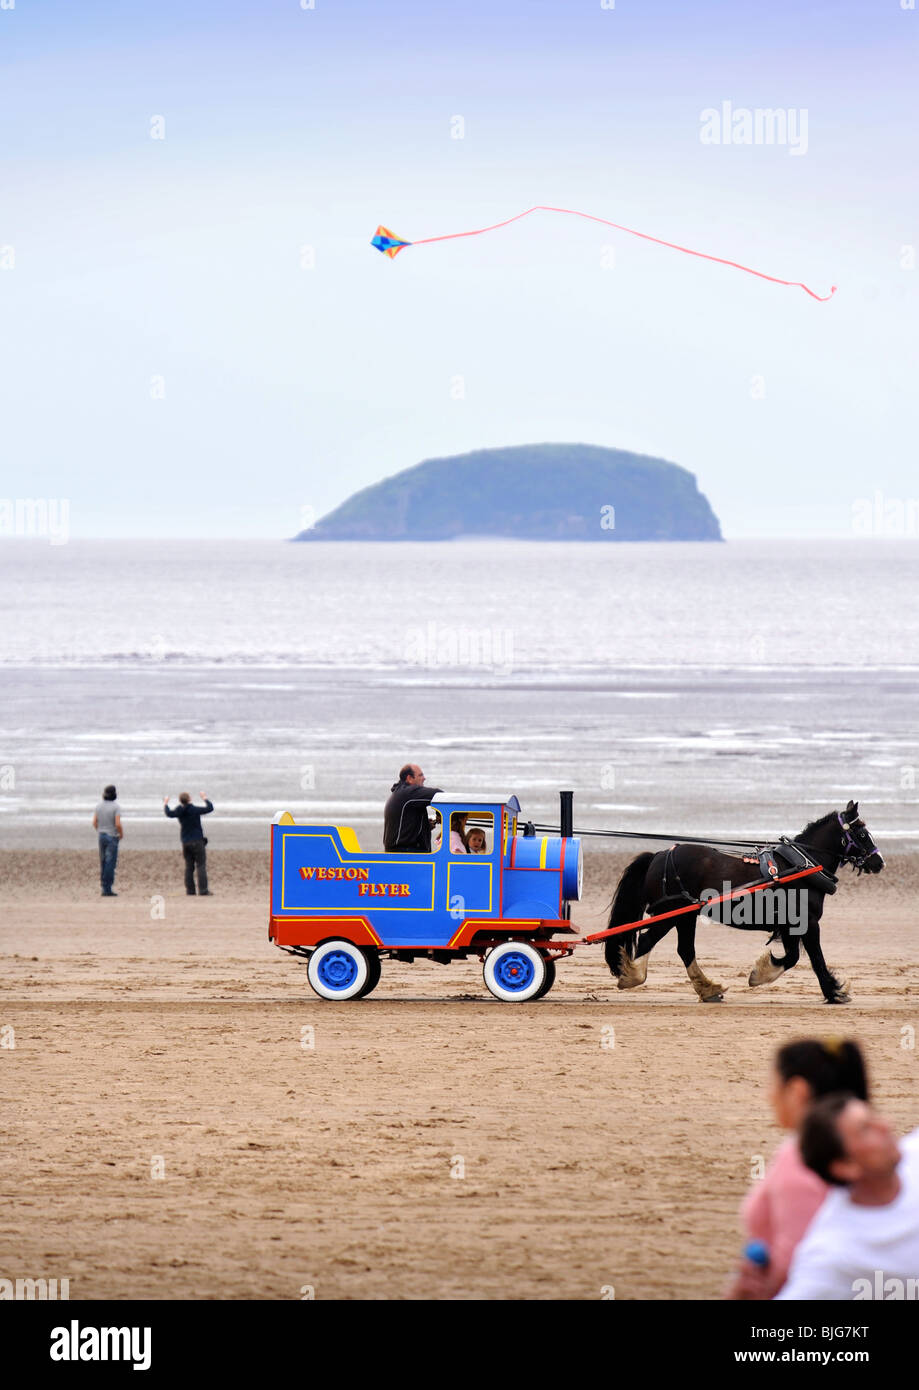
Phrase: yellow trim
(475, 863)
(542, 853)
(378, 859)
(286, 819)
(510, 830)
(348, 839)
(501, 926)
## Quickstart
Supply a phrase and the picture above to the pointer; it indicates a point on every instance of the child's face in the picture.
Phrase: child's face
(476, 842)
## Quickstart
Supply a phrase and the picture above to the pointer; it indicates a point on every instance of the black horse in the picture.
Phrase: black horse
(696, 873)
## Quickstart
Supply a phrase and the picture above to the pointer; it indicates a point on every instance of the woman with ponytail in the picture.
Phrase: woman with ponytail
(779, 1209)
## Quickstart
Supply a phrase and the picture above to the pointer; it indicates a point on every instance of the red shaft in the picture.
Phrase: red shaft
(694, 907)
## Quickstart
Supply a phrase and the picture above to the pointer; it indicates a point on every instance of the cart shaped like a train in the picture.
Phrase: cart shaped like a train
(344, 910)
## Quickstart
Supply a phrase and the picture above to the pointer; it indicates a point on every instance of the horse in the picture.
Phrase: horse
(690, 873)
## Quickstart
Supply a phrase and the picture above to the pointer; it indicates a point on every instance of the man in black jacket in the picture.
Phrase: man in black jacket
(193, 840)
(405, 816)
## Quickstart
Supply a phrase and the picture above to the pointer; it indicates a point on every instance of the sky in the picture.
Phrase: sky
(199, 340)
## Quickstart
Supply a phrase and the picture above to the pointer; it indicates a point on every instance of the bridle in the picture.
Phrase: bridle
(855, 850)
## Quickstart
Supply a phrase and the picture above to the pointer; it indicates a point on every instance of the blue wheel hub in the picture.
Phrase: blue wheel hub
(514, 971)
(337, 970)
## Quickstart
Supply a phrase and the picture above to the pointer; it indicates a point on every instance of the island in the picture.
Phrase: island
(551, 492)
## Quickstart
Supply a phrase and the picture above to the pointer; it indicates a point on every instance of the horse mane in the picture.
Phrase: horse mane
(816, 825)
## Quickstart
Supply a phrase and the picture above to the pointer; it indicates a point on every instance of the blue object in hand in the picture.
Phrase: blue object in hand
(757, 1253)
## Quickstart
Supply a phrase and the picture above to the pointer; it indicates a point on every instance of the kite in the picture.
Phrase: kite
(386, 241)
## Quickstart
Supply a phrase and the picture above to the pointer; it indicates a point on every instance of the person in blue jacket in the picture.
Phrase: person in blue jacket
(194, 840)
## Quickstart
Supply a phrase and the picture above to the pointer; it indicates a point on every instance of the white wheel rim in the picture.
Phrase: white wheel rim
(337, 970)
(502, 965)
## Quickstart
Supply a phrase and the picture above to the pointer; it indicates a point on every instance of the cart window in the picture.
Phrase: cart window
(436, 822)
(474, 830)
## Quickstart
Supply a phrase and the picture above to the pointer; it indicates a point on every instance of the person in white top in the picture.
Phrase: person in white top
(863, 1242)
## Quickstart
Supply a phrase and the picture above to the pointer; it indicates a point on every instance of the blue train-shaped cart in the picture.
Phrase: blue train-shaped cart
(345, 910)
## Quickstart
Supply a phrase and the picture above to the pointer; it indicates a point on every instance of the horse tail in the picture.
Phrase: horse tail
(628, 905)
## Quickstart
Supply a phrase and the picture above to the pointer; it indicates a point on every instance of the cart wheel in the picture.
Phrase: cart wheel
(515, 971)
(373, 972)
(338, 970)
(548, 982)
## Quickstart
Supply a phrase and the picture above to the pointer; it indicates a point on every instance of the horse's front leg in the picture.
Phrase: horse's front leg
(767, 968)
(708, 991)
(835, 991)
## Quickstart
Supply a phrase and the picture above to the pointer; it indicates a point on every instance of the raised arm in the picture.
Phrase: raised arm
(172, 814)
(208, 805)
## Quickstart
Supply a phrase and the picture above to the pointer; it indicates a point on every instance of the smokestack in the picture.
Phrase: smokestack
(566, 825)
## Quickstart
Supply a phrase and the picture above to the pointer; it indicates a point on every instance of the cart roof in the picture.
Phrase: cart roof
(475, 799)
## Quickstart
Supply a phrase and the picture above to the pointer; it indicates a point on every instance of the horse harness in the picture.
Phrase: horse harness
(792, 855)
(774, 862)
(673, 889)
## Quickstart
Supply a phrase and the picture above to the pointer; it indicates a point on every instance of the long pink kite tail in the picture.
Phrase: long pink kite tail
(395, 245)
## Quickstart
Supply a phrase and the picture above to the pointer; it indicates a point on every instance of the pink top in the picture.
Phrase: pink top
(779, 1209)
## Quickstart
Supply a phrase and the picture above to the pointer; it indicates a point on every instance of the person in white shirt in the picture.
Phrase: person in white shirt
(863, 1242)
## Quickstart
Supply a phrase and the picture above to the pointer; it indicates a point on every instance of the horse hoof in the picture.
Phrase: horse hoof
(712, 999)
(631, 972)
(840, 998)
(765, 971)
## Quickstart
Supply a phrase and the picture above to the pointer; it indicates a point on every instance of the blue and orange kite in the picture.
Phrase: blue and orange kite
(386, 241)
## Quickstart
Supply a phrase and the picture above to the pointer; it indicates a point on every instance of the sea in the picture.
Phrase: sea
(737, 689)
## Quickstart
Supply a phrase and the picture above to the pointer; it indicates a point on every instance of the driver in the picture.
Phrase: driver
(405, 816)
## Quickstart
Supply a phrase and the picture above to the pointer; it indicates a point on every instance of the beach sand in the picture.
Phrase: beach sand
(432, 1142)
